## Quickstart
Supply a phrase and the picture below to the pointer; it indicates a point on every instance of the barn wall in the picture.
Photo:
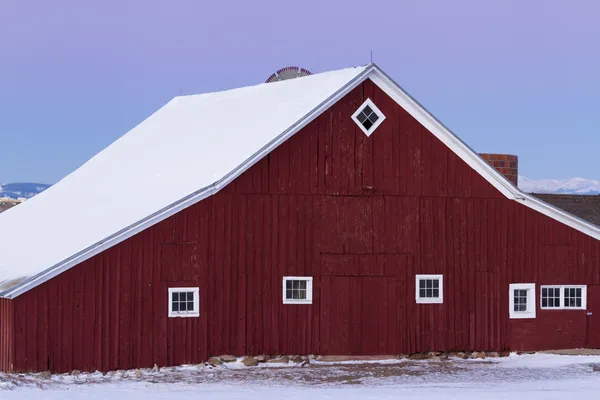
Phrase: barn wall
(361, 215)
(6, 335)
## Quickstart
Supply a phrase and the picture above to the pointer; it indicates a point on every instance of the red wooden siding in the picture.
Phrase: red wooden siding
(361, 215)
(6, 335)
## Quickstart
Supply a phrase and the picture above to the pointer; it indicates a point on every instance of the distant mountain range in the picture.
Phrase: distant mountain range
(564, 186)
(21, 190)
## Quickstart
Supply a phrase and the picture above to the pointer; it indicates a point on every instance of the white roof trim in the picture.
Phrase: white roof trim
(172, 209)
(393, 90)
(474, 160)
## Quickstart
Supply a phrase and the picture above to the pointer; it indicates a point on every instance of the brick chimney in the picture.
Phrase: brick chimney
(506, 164)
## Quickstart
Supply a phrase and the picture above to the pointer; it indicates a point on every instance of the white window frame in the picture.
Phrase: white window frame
(185, 314)
(561, 289)
(429, 300)
(309, 289)
(531, 306)
(381, 116)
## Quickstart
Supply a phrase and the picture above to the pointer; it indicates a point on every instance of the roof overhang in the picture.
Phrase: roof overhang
(392, 89)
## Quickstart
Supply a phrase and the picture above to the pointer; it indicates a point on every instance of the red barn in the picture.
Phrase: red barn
(328, 214)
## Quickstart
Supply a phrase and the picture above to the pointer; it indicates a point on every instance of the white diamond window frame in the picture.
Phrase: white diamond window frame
(358, 115)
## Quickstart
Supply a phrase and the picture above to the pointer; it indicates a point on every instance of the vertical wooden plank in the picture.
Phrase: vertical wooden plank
(368, 155)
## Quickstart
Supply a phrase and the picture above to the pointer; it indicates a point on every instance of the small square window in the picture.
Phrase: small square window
(522, 300)
(430, 289)
(368, 117)
(575, 297)
(184, 302)
(297, 290)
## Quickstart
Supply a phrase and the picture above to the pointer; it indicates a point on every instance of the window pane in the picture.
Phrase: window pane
(288, 284)
(175, 296)
(436, 284)
(361, 117)
(578, 302)
(421, 284)
(422, 293)
(367, 124)
(288, 294)
(520, 300)
(190, 296)
(429, 292)
(302, 294)
(190, 306)
(551, 297)
(303, 285)
(182, 307)
(367, 110)
(436, 292)
(295, 294)
(578, 292)
(175, 307)
(373, 117)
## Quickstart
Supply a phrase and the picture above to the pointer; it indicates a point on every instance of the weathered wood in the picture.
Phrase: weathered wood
(361, 215)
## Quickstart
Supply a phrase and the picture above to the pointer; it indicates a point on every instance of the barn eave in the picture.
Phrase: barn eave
(392, 89)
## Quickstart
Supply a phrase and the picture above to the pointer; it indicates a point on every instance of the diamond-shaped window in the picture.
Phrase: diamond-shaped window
(368, 117)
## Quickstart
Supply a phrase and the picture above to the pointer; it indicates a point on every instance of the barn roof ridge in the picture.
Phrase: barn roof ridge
(308, 97)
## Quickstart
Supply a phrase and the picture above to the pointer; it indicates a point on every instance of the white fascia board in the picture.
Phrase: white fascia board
(393, 90)
(560, 215)
(473, 159)
(461, 149)
(188, 201)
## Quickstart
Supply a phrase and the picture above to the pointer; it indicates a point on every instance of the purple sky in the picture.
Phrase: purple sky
(506, 76)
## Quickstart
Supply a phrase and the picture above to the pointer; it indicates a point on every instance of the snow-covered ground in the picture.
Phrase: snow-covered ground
(533, 377)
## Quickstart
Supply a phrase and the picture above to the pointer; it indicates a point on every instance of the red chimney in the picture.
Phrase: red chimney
(506, 164)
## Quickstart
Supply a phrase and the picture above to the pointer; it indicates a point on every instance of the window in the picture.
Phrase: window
(430, 289)
(297, 290)
(522, 300)
(368, 117)
(520, 297)
(572, 297)
(184, 302)
(550, 297)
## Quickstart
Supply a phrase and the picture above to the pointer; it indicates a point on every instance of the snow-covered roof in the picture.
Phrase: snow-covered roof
(185, 152)
(188, 145)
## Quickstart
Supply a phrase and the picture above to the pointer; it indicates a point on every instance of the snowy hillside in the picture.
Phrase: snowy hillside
(564, 186)
(21, 190)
